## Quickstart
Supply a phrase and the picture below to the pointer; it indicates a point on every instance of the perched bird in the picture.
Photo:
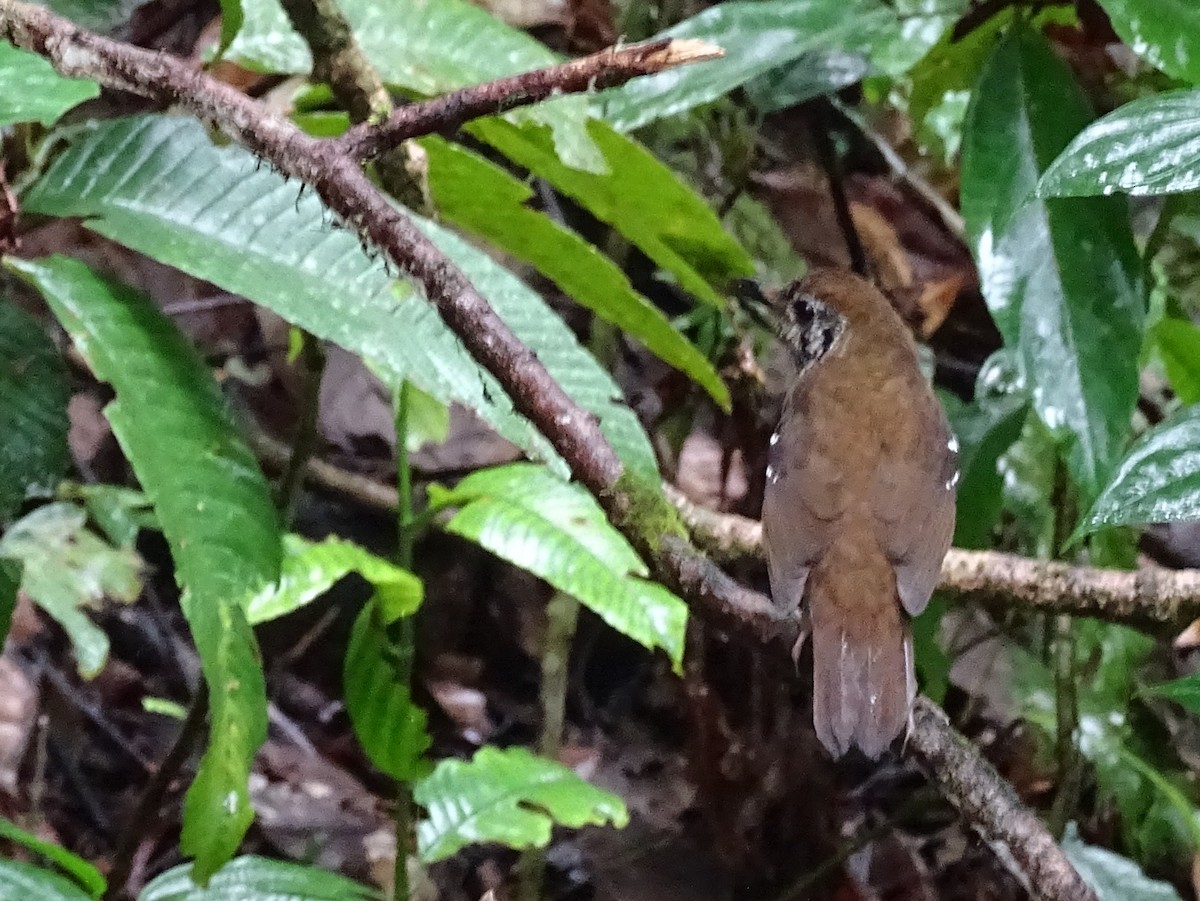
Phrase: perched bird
(859, 504)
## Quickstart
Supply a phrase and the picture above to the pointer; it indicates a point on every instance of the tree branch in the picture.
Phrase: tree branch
(637, 509)
(1146, 597)
(991, 806)
(606, 69)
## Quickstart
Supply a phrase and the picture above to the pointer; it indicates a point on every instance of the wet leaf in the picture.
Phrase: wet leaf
(1062, 278)
(31, 91)
(1158, 481)
(1148, 147)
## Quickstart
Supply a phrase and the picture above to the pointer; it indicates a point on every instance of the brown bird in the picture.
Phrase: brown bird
(859, 505)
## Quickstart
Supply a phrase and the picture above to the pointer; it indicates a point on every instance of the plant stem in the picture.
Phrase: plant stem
(562, 614)
(404, 638)
(304, 442)
(145, 814)
(1066, 696)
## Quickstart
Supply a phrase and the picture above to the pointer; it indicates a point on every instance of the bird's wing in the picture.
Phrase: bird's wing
(805, 495)
(912, 500)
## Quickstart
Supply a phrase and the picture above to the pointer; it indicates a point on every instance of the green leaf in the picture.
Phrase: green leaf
(932, 662)
(1158, 481)
(1165, 33)
(377, 687)
(1153, 800)
(1148, 147)
(942, 82)
(104, 16)
(640, 197)
(31, 91)
(480, 197)
(1184, 691)
(1061, 277)
(10, 583)
(257, 879)
(33, 409)
(232, 18)
(427, 47)
(557, 531)
(1178, 343)
(756, 37)
(811, 75)
(985, 429)
(507, 796)
(1113, 877)
(23, 880)
(248, 231)
(82, 872)
(215, 509)
(68, 569)
(310, 569)
(120, 512)
(916, 26)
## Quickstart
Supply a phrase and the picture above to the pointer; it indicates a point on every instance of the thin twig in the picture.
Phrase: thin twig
(606, 69)
(562, 616)
(821, 126)
(406, 637)
(951, 218)
(338, 60)
(304, 444)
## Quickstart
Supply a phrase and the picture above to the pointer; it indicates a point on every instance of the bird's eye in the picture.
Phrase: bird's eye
(804, 311)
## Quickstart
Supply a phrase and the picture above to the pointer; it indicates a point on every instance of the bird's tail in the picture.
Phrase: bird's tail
(863, 678)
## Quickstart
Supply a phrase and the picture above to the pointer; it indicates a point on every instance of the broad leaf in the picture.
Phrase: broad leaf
(33, 409)
(1061, 277)
(119, 512)
(310, 569)
(377, 682)
(557, 531)
(479, 196)
(426, 47)
(1148, 147)
(1113, 877)
(69, 569)
(985, 430)
(941, 85)
(214, 506)
(1158, 481)
(812, 75)
(82, 872)
(23, 880)
(31, 91)
(1184, 691)
(257, 879)
(247, 230)
(1178, 343)
(640, 197)
(507, 796)
(105, 16)
(756, 37)
(1165, 33)
(10, 583)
